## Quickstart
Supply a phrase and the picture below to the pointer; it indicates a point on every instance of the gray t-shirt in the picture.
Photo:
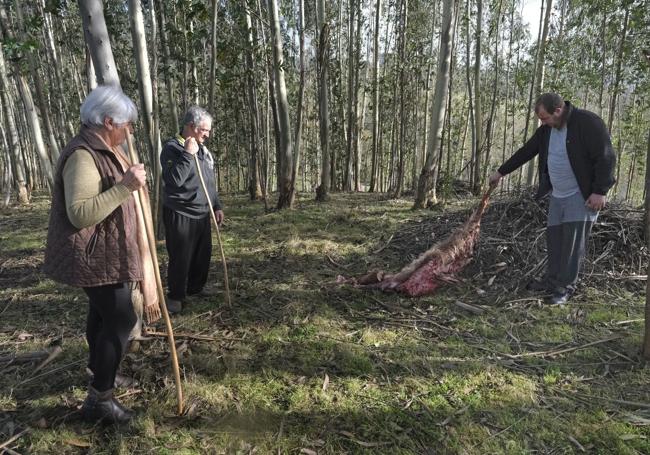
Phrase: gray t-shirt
(562, 177)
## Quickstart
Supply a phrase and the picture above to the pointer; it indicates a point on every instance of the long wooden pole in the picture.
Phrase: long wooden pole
(216, 225)
(142, 200)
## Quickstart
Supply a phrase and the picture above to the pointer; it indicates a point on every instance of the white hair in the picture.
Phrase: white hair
(195, 115)
(107, 101)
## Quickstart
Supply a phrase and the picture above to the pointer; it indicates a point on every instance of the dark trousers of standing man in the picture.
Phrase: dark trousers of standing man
(110, 320)
(189, 246)
(569, 226)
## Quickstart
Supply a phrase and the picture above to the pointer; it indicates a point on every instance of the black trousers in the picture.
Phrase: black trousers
(110, 320)
(567, 232)
(189, 246)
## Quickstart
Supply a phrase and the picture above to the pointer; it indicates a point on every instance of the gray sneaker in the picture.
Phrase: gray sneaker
(174, 306)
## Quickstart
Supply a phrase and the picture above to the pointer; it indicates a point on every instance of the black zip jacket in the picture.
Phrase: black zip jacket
(182, 191)
(589, 148)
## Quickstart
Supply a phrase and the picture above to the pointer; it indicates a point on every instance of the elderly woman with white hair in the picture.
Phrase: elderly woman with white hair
(92, 239)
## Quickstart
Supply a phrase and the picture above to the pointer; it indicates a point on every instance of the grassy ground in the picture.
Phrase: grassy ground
(301, 365)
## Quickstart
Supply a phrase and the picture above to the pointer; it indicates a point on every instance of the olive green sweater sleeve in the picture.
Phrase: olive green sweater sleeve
(85, 202)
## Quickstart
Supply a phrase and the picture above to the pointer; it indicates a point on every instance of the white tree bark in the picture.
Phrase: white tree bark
(254, 185)
(426, 191)
(96, 35)
(301, 95)
(35, 128)
(286, 146)
(144, 74)
(375, 99)
(20, 182)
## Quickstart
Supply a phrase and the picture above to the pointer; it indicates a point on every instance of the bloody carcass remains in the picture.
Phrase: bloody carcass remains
(437, 265)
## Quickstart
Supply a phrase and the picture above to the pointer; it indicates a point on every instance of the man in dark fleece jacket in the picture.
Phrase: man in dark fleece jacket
(576, 164)
(186, 209)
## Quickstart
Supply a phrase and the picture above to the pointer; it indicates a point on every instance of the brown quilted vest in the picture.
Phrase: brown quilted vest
(105, 253)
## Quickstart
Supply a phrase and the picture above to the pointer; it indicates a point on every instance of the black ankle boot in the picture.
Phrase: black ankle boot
(121, 380)
(103, 407)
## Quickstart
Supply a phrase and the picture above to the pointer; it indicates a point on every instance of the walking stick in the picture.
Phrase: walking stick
(145, 212)
(216, 225)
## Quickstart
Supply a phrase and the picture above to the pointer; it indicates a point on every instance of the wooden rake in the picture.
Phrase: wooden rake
(142, 201)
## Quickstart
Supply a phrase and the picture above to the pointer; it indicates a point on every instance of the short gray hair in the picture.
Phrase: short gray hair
(195, 115)
(549, 101)
(107, 101)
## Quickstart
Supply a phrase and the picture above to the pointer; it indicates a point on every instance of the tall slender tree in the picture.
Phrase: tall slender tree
(426, 192)
(97, 39)
(285, 197)
(322, 64)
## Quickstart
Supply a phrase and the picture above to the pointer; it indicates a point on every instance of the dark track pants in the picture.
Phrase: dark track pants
(569, 226)
(189, 246)
(109, 323)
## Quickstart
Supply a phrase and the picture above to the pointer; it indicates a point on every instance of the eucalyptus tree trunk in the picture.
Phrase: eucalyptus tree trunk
(397, 108)
(213, 55)
(361, 121)
(145, 86)
(36, 78)
(507, 84)
(301, 95)
(91, 75)
(7, 174)
(271, 110)
(603, 62)
(427, 90)
(286, 190)
(491, 119)
(632, 167)
(351, 116)
(450, 105)
(14, 148)
(322, 192)
(478, 110)
(531, 163)
(375, 98)
(96, 35)
(31, 116)
(401, 84)
(617, 76)
(52, 52)
(169, 79)
(339, 104)
(426, 192)
(157, 187)
(35, 128)
(254, 186)
(646, 338)
(539, 77)
(470, 95)
(193, 69)
(141, 57)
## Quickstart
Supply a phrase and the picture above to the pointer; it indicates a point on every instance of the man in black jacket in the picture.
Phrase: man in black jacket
(186, 207)
(576, 164)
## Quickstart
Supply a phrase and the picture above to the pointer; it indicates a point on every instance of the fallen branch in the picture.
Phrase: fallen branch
(56, 351)
(13, 438)
(334, 263)
(560, 351)
(632, 404)
(189, 336)
(385, 245)
(24, 357)
(53, 370)
(471, 308)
